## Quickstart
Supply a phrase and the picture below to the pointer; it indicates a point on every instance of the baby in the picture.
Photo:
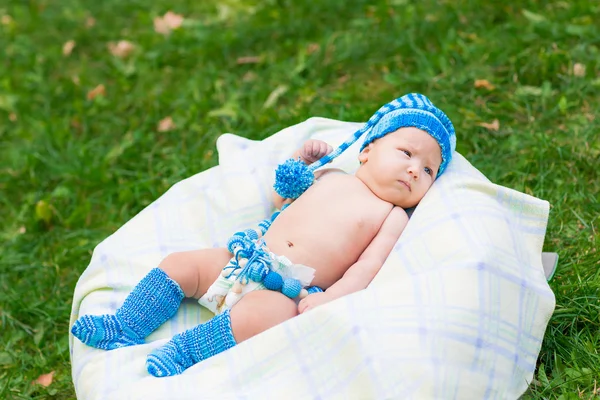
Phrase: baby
(329, 242)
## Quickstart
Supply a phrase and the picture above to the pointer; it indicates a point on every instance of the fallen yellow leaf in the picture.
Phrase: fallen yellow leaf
(99, 90)
(579, 70)
(121, 49)
(68, 47)
(249, 60)
(90, 22)
(249, 76)
(165, 124)
(167, 23)
(45, 380)
(160, 26)
(12, 117)
(173, 21)
(484, 83)
(6, 19)
(493, 126)
(312, 47)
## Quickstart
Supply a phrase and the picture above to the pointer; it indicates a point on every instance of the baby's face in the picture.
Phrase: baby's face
(401, 166)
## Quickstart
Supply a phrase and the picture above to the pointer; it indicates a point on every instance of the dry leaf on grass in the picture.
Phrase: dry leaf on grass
(249, 76)
(484, 83)
(99, 90)
(579, 70)
(12, 117)
(45, 380)
(208, 154)
(6, 19)
(75, 124)
(90, 22)
(480, 102)
(275, 95)
(493, 126)
(160, 26)
(312, 48)
(249, 60)
(68, 47)
(167, 23)
(165, 124)
(173, 20)
(121, 49)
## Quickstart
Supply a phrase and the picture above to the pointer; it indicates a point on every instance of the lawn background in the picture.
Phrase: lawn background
(74, 169)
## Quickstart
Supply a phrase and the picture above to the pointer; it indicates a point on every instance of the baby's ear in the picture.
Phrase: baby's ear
(363, 156)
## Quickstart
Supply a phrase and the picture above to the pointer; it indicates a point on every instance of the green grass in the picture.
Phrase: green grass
(73, 170)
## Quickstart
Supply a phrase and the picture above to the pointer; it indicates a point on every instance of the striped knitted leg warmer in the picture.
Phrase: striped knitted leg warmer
(192, 346)
(154, 300)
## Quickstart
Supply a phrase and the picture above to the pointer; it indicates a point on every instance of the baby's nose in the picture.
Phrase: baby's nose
(414, 171)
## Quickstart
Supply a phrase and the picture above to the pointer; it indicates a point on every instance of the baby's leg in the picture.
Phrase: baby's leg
(195, 270)
(258, 311)
(154, 300)
(254, 313)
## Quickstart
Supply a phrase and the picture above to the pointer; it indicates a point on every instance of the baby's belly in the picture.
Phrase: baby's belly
(328, 236)
(329, 259)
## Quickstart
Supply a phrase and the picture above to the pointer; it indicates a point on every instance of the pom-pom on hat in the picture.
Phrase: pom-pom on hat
(293, 177)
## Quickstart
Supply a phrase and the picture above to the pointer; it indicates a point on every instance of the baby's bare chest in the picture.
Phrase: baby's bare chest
(340, 210)
(344, 193)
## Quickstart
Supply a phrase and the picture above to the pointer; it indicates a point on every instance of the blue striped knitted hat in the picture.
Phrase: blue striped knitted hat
(293, 177)
(417, 111)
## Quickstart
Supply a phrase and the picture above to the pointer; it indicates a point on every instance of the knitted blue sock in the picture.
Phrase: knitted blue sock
(154, 300)
(192, 346)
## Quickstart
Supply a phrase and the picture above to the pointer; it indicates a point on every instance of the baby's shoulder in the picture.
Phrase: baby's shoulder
(328, 172)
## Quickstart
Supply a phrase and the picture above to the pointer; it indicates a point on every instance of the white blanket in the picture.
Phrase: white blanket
(458, 310)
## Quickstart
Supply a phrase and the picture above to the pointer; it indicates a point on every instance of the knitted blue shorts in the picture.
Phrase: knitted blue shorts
(230, 287)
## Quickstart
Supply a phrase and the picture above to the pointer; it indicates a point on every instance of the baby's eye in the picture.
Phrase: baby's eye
(405, 152)
(428, 171)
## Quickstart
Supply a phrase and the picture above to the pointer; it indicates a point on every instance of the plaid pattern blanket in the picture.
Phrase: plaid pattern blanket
(458, 310)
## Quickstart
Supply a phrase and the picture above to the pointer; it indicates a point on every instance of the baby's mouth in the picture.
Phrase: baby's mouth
(405, 184)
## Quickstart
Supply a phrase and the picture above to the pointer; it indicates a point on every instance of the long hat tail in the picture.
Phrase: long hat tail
(293, 177)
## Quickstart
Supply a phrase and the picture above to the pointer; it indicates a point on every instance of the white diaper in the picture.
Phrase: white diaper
(221, 297)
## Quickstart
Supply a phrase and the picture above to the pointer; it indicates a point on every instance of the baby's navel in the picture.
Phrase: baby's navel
(290, 244)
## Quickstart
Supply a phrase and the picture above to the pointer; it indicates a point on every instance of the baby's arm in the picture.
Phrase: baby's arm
(311, 151)
(361, 273)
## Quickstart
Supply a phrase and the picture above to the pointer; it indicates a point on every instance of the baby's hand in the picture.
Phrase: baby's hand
(314, 150)
(313, 300)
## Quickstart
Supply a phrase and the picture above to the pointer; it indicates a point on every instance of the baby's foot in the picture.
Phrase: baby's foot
(104, 332)
(192, 346)
(170, 359)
